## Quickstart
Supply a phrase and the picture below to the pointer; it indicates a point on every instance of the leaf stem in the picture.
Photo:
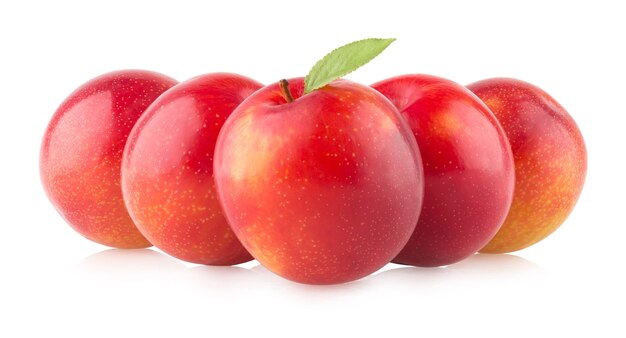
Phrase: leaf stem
(284, 88)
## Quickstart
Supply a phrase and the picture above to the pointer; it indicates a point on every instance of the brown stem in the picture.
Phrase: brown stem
(284, 88)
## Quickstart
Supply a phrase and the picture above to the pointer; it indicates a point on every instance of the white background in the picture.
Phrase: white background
(55, 283)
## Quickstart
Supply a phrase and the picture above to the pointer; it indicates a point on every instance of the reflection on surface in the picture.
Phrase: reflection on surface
(280, 283)
(220, 277)
(500, 264)
(478, 269)
(128, 265)
(122, 266)
(120, 260)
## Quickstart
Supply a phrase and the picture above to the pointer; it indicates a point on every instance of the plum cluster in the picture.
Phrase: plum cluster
(321, 188)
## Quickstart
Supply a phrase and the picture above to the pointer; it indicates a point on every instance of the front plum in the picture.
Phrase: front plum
(325, 189)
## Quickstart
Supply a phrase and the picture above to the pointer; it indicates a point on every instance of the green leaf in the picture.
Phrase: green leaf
(342, 61)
